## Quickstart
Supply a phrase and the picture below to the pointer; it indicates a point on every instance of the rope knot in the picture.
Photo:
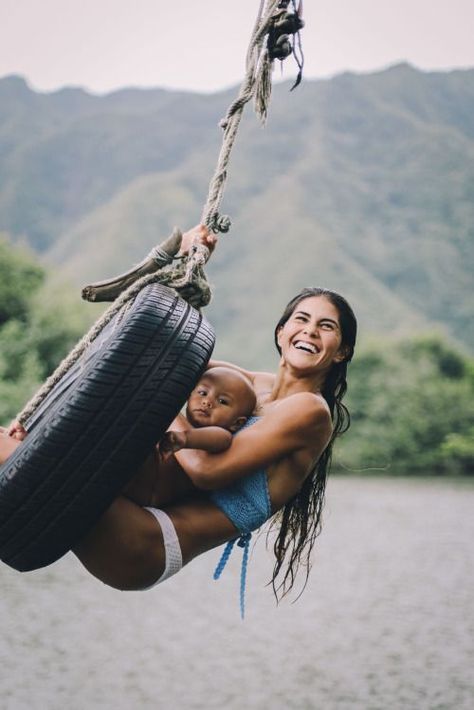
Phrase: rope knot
(244, 540)
(220, 223)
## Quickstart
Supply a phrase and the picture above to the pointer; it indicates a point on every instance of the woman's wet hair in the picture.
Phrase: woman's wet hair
(299, 522)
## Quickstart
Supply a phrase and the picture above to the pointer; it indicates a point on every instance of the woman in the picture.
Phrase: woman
(299, 414)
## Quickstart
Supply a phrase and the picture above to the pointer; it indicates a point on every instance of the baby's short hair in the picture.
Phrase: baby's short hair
(245, 392)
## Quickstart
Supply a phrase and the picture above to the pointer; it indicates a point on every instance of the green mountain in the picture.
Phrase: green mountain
(362, 183)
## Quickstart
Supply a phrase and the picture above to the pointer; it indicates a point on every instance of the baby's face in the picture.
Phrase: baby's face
(218, 400)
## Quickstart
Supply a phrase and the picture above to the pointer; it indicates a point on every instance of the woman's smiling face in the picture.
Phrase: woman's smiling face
(311, 337)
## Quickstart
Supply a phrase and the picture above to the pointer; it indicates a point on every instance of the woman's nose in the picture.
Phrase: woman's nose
(311, 330)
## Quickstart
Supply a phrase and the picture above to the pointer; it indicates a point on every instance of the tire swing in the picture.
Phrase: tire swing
(98, 417)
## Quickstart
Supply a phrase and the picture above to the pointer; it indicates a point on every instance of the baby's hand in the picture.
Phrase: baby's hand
(171, 442)
(17, 431)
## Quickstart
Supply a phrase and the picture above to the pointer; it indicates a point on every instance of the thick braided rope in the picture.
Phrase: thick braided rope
(230, 123)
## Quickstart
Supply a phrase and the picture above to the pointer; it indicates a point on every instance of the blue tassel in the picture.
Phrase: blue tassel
(244, 542)
(223, 561)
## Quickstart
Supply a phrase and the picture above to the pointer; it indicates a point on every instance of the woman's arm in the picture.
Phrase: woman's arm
(300, 422)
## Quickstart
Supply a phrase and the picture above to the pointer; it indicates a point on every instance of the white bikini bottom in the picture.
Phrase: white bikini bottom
(173, 556)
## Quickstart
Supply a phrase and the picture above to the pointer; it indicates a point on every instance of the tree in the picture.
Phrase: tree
(412, 406)
(20, 278)
(39, 323)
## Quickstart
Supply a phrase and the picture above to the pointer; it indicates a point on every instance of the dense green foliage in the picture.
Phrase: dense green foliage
(38, 325)
(412, 406)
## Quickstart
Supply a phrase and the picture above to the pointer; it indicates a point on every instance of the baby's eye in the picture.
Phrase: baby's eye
(202, 392)
(223, 401)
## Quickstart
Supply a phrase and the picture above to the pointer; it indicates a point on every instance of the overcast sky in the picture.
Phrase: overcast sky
(200, 45)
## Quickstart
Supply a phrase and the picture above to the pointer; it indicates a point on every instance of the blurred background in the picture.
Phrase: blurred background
(362, 181)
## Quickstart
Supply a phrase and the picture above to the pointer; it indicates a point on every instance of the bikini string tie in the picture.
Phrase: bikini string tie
(244, 542)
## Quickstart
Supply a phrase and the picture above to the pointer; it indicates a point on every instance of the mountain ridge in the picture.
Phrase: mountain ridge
(364, 182)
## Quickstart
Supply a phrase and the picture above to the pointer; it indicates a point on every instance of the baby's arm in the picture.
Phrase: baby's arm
(212, 439)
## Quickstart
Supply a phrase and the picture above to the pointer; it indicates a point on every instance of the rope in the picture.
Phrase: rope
(255, 63)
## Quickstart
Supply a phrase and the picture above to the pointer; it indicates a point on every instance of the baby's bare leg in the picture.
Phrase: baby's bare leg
(124, 549)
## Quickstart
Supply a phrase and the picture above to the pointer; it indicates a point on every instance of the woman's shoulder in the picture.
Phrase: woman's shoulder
(310, 405)
(302, 411)
(262, 382)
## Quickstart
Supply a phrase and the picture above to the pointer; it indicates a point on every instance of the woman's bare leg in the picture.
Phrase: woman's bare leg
(125, 547)
(7, 445)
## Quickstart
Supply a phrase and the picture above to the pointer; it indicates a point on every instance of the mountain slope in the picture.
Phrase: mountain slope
(363, 183)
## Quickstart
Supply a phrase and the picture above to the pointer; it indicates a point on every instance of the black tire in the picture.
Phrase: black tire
(98, 425)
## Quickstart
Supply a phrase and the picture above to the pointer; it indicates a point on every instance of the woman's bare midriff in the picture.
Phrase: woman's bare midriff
(200, 526)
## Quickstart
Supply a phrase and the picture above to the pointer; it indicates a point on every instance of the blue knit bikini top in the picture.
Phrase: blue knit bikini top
(246, 503)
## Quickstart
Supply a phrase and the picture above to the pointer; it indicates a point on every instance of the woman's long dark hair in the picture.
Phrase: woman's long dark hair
(299, 522)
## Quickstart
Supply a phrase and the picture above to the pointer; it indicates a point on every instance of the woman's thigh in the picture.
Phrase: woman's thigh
(159, 483)
(125, 547)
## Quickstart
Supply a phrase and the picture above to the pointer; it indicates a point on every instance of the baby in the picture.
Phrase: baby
(218, 406)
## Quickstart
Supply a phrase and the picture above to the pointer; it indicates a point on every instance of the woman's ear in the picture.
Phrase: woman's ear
(278, 334)
(341, 354)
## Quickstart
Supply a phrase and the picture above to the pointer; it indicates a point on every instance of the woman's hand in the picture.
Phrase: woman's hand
(197, 235)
